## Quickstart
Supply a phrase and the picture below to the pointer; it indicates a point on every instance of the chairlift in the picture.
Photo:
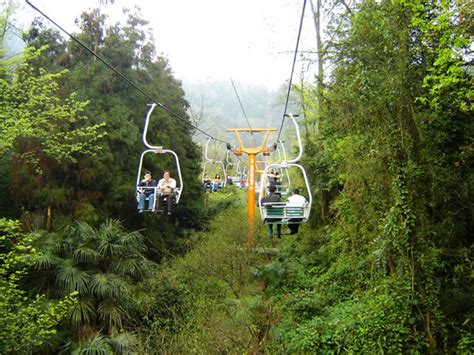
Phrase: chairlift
(284, 212)
(154, 151)
(232, 171)
(259, 176)
(283, 181)
(243, 183)
(219, 163)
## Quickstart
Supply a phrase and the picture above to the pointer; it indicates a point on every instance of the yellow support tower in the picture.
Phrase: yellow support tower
(252, 169)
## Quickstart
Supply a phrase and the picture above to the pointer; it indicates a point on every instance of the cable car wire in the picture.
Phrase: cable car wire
(121, 75)
(292, 70)
(245, 115)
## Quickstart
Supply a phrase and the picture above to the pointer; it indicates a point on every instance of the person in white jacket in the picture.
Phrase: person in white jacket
(166, 187)
(295, 200)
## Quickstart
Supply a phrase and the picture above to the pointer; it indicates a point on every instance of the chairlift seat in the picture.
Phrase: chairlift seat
(284, 213)
(282, 189)
(274, 213)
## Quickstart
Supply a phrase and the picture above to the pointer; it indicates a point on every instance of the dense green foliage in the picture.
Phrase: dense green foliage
(383, 266)
(391, 144)
(101, 264)
(70, 142)
(26, 322)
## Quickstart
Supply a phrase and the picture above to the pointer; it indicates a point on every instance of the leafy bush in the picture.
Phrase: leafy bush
(27, 321)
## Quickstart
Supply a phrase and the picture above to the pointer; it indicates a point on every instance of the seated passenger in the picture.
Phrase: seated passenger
(207, 183)
(166, 187)
(217, 183)
(271, 176)
(295, 200)
(272, 197)
(146, 190)
(277, 178)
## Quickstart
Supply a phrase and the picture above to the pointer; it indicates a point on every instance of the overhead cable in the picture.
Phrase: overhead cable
(292, 70)
(245, 115)
(121, 75)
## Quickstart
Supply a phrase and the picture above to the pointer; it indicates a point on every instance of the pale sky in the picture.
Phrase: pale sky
(250, 41)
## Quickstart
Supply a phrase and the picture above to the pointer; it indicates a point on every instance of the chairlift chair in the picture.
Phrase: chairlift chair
(157, 150)
(282, 188)
(232, 178)
(285, 212)
(210, 161)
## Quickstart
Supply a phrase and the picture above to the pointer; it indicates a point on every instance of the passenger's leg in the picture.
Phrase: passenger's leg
(170, 203)
(141, 201)
(270, 230)
(293, 228)
(160, 202)
(279, 230)
(151, 202)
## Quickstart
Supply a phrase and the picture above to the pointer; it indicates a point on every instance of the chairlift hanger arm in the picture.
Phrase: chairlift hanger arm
(207, 149)
(298, 136)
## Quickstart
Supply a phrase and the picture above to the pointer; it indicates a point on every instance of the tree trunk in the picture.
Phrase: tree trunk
(48, 219)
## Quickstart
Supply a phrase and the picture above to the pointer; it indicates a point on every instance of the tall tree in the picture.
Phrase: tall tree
(105, 185)
(43, 135)
(394, 148)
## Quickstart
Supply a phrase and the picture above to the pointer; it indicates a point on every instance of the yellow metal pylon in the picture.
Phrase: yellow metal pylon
(252, 169)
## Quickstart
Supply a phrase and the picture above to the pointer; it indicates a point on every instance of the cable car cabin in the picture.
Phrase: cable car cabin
(215, 184)
(286, 212)
(232, 171)
(151, 200)
(240, 180)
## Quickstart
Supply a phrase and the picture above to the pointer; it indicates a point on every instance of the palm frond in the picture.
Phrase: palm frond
(83, 231)
(70, 278)
(110, 230)
(46, 261)
(124, 343)
(108, 248)
(110, 312)
(86, 254)
(106, 285)
(81, 313)
(99, 345)
(53, 243)
(133, 240)
(134, 266)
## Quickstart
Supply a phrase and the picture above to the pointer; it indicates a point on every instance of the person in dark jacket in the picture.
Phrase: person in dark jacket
(207, 183)
(146, 189)
(273, 197)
